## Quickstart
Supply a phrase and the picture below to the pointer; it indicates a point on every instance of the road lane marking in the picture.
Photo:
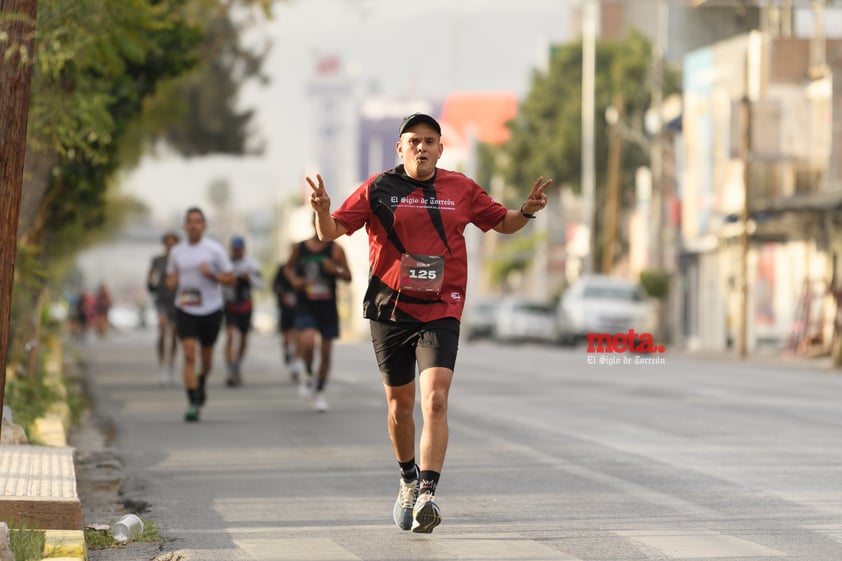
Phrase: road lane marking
(698, 544)
(497, 547)
(624, 486)
(295, 549)
(465, 547)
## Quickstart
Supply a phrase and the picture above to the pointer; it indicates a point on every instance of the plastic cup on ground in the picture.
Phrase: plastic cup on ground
(129, 527)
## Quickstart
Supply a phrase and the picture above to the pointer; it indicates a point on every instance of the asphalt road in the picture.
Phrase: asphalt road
(550, 459)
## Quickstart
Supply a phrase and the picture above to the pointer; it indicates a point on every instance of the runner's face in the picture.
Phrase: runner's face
(194, 225)
(420, 149)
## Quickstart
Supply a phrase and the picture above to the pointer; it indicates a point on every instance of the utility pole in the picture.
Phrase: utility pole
(754, 50)
(15, 86)
(612, 202)
(588, 167)
(745, 156)
(656, 152)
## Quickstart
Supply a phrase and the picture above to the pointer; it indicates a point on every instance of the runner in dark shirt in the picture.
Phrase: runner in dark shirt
(166, 346)
(286, 298)
(313, 268)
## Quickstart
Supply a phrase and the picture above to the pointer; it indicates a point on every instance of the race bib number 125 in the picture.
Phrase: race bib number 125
(422, 273)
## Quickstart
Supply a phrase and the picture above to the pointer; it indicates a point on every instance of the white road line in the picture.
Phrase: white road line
(497, 547)
(295, 549)
(624, 486)
(465, 547)
(698, 544)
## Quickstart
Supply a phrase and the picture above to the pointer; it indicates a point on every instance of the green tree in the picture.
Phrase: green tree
(112, 77)
(104, 77)
(209, 120)
(546, 134)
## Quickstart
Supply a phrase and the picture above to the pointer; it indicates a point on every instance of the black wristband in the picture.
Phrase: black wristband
(524, 214)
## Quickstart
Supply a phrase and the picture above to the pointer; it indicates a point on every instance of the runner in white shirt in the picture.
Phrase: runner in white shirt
(196, 267)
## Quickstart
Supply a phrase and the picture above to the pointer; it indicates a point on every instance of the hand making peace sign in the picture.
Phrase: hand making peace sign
(319, 199)
(537, 199)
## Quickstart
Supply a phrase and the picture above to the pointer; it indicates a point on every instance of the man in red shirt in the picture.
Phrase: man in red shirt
(415, 216)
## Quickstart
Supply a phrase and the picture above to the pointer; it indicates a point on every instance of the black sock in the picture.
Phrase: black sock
(320, 384)
(429, 481)
(191, 397)
(409, 471)
(202, 379)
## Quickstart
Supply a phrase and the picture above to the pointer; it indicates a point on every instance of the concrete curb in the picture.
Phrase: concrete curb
(65, 544)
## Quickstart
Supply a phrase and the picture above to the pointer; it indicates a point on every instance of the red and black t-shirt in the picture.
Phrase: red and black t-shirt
(417, 257)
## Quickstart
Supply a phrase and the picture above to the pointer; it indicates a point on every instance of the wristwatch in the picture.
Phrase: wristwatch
(524, 213)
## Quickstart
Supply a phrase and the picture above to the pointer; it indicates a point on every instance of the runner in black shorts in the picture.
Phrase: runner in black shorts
(156, 282)
(239, 306)
(415, 215)
(313, 269)
(196, 268)
(286, 298)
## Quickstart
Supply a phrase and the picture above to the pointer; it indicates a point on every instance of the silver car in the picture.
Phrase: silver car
(605, 305)
(480, 320)
(522, 319)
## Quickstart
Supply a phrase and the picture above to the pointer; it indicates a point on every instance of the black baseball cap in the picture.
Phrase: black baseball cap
(417, 118)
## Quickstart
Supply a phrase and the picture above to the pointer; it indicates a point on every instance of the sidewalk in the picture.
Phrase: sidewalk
(38, 482)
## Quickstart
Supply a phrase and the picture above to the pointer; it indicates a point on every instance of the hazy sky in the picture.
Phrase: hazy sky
(426, 50)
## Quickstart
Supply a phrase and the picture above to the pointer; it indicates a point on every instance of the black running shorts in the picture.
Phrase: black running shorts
(400, 346)
(204, 328)
(241, 321)
(286, 318)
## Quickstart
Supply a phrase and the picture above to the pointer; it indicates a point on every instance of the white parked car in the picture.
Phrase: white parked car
(522, 319)
(480, 320)
(604, 304)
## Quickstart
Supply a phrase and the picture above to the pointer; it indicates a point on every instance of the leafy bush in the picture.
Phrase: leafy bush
(29, 399)
(655, 283)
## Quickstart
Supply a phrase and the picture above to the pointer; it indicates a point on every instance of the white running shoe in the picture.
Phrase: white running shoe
(426, 514)
(304, 388)
(319, 403)
(296, 369)
(402, 513)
